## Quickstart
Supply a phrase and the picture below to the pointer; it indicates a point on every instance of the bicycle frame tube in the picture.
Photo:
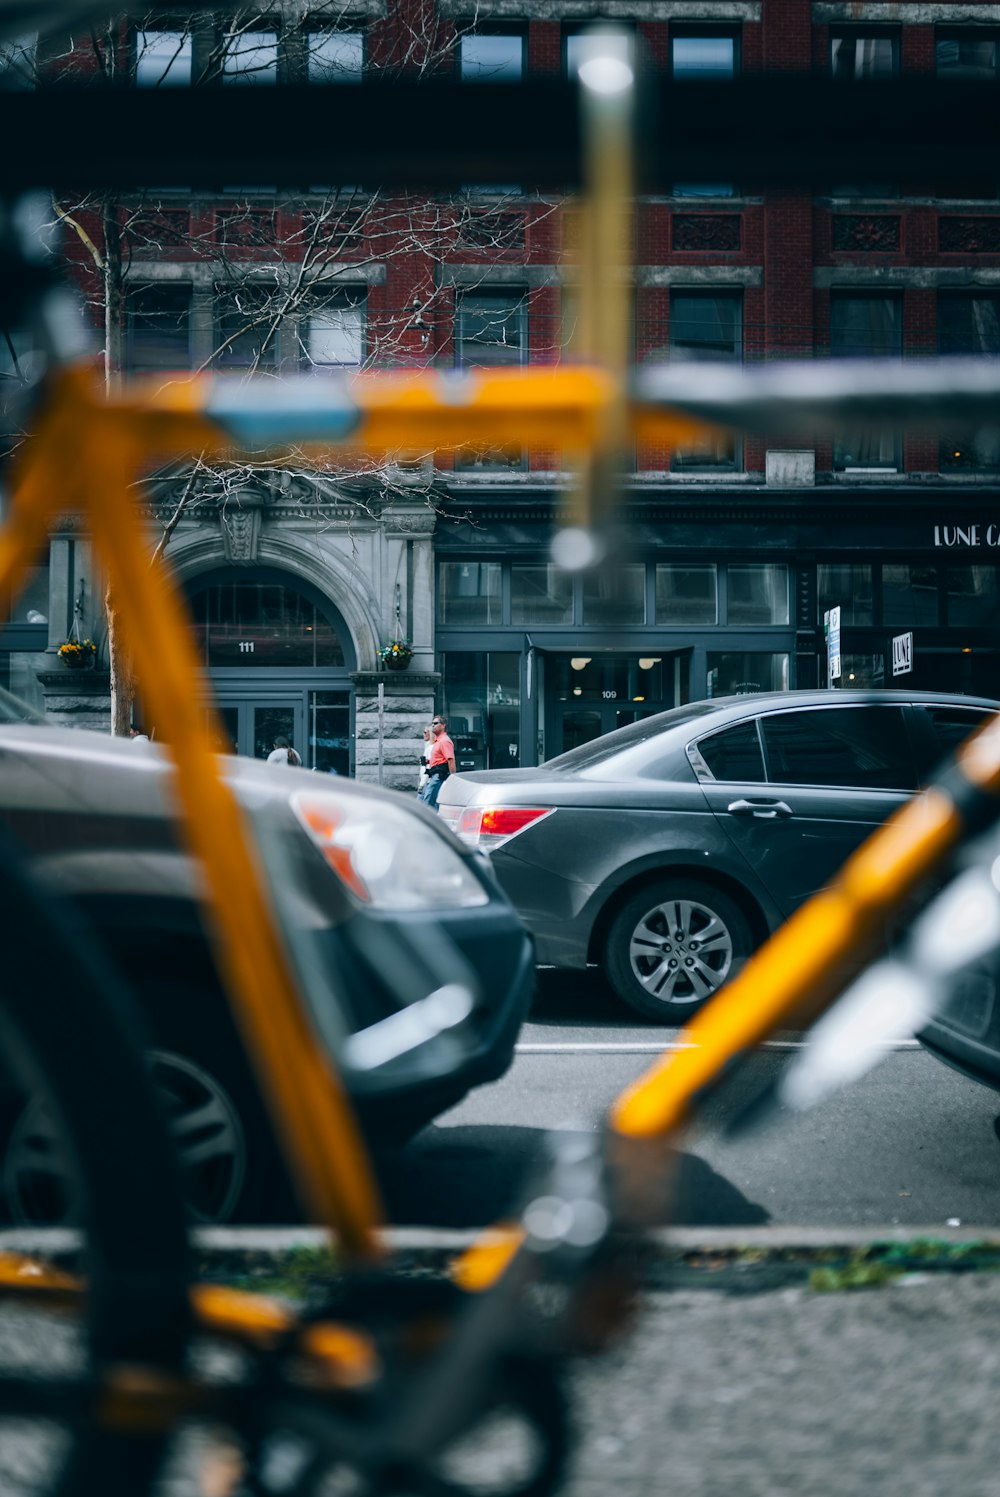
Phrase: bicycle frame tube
(100, 451)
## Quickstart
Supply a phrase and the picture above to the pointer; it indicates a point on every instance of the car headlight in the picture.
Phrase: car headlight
(386, 857)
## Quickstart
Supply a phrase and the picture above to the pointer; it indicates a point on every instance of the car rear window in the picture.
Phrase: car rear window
(954, 724)
(863, 748)
(610, 744)
(734, 754)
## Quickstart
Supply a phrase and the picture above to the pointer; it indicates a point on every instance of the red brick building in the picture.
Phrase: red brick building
(734, 551)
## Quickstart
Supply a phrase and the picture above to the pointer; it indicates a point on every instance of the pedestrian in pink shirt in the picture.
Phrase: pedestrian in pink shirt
(440, 762)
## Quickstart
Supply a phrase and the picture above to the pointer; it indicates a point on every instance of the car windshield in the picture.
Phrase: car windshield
(589, 754)
(13, 710)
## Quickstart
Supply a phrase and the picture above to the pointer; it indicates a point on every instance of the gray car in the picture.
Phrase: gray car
(668, 850)
(382, 907)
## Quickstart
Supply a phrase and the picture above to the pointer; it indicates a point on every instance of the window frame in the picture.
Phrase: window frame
(679, 463)
(139, 288)
(891, 33)
(310, 31)
(222, 359)
(346, 298)
(489, 28)
(695, 31)
(136, 56)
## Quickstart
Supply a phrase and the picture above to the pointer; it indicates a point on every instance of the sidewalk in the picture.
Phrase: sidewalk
(753, 1367)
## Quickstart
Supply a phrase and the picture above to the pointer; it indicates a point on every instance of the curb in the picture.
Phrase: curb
(731, 1259)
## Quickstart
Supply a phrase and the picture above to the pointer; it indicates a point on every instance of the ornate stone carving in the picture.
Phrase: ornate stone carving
(869, 232)
(240, 534)
(706, 231)
(969, 236)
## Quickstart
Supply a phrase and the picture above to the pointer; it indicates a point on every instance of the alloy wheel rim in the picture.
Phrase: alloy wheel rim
(681, 952)
(203, 1122)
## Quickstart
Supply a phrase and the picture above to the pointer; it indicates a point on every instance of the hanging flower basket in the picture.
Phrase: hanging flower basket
(78, 654)
(396, 655)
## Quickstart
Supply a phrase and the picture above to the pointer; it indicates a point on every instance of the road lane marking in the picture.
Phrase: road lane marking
(637, 1047)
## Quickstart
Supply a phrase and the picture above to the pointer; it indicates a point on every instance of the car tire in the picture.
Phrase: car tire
(231, 1168)
(672, 945)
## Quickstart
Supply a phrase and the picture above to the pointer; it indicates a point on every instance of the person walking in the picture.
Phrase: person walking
(283, 753)
(440, 762)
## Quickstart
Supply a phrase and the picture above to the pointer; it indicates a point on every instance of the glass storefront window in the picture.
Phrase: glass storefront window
(741, 674)
(909, 594)
(329, 732)
(615, 595)
(758, 594)
(469, 592)
(31, 606)
(262, 624)
(847, 586)
(687, 593)
(972, 595)
(864, 670)
(540, 595)
(22, 676)
(482, 703)
(606, 678)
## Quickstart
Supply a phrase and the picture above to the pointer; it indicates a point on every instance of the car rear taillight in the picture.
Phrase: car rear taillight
(489, 827)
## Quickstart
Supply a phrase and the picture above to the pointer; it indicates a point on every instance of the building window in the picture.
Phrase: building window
(687, 593)
(329, 732)
(162, 59)
(280, 625)
(705, 325)
(758, 593)
(856, 56)
(158, 327)
(481, 694)
(615, 595)
(250, 57)
(847, 586)
(491, 332)
(969, 325)
(909, 594)
(972, 596)
(335, 331)
(541, 594)
(704, 56)
(469, 592)
(491, 329)
(866, 326)
(246, 330)
(491, 57)
(335, 56)
(966, 54)
(740, 673)
(960, 55)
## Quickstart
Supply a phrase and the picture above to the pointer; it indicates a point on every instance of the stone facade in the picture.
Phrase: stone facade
(77, 698)
(389, 729)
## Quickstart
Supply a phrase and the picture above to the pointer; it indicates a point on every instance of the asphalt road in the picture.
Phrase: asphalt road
(912, 1143)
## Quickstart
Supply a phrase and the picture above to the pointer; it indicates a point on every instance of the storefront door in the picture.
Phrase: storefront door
(590, 695)
(251, 726)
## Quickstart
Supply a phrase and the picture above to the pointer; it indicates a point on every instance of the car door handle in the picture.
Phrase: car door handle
(764, 810)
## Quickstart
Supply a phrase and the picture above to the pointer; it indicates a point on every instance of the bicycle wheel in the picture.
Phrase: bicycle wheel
(66, 1037)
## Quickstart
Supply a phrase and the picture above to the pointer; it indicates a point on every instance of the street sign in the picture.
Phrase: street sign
(831, 625)
(902, 654)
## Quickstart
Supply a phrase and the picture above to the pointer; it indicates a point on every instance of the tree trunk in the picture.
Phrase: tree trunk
(119, 657)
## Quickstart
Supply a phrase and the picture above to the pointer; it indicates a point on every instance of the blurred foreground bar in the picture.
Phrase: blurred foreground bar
(794, 132)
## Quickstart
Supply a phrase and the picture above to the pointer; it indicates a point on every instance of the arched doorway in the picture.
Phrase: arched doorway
(279, 657)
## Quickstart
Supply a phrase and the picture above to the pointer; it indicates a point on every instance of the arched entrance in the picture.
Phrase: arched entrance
(279, 657)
